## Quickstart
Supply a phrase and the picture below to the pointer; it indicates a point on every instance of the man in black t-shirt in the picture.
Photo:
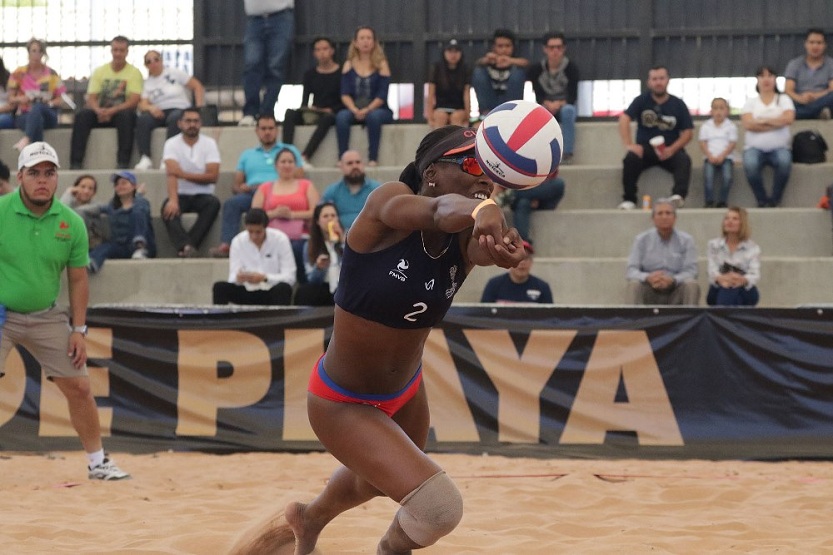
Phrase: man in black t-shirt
(658, 114)
(323, 84)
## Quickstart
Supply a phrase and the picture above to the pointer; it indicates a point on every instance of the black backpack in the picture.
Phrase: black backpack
(809, 148)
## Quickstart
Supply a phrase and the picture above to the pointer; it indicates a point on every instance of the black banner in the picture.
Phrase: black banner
(630, 382)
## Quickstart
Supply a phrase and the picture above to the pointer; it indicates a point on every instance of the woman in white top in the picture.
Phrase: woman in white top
(734, 263)
(165, 93)
(766, 119)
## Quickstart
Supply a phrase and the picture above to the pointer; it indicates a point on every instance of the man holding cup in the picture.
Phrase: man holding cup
(663, 129)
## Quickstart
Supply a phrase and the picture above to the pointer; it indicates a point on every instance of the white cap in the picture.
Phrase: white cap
(36, 153)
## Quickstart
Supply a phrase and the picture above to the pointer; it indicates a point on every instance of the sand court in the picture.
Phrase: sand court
(194, 503)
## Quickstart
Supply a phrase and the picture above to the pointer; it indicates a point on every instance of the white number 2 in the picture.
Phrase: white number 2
(421, 307)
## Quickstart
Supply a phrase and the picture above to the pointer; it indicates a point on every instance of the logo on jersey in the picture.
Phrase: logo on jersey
(452, 274)
(429, 285)
(399, 271)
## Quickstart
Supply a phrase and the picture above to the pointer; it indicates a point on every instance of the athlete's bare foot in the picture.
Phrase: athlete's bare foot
(306, 532)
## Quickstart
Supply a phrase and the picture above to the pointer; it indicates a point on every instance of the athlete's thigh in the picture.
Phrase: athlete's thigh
(372, 445)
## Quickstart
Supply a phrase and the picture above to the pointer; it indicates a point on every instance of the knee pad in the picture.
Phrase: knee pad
(432, 510)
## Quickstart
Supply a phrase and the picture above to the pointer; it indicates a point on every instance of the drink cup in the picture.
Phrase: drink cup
(658, 143)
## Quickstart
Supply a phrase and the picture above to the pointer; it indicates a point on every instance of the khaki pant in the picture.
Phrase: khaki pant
(45, 334)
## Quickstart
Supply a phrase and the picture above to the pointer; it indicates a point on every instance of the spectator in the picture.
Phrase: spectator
(41, 238)
(658, 114)
(192, 164)
(810, 79)
(81, 195)
(718, 137)
(555, 82)
(323, 84)
(289, 203)
(365, 79)
(449, 89)
(128, 215)
(261, 265)
(322, 257)
(5, 175)
(112, 96)
(518, 285)
(545, 196)
(734, 263)
(766, 118)
(36, 90)
(499, 75)
(351, 192)
(166, 92)
(7, 108)
(662, 266)
(270, 27)
(255, 166)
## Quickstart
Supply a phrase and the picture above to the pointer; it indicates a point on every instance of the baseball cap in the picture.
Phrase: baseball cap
(125, 174)
(36, 153)
(452, 45)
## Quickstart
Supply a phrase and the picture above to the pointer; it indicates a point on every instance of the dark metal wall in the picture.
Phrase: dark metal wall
(608, 39)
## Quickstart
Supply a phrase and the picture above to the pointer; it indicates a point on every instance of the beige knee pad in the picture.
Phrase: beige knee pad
(432, 510)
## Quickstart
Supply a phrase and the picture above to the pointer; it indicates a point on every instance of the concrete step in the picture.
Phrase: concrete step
(597, 143)
(610, 233)
(785, 281)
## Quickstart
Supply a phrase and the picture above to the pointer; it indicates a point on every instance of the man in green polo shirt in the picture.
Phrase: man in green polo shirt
(39, 237)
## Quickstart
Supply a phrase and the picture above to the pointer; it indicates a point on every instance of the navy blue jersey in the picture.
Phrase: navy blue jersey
(401, 286)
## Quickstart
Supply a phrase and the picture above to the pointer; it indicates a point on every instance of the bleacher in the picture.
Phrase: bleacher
(581, 248)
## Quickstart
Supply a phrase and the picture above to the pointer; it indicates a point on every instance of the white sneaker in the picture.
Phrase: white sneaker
(247, 121)
(107, 471)
(140, 254)
(677, 201)
(308, 165)
(627, 205)
(145, 163)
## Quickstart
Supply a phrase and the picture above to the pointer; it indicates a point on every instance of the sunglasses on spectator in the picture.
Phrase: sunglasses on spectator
(467, 163)
(148, 61)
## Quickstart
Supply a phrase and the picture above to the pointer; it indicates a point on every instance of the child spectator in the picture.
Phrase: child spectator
(131, 232)
(718, 137)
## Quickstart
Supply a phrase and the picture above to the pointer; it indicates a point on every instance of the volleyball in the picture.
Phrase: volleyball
(518, 144)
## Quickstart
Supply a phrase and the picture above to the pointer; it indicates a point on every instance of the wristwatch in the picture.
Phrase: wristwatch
(80, 329)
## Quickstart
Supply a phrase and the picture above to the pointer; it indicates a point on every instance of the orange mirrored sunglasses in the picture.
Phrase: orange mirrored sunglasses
(467, 163)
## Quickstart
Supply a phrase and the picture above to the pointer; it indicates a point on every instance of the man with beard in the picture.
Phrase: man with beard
(660, 117)
(192, 164)
(40, 237)
(351, 192)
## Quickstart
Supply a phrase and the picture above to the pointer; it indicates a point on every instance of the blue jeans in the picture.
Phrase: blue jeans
(548, 194)
(233, 209)
(33, 122)
(266, 46)
(373, 121)
(754, 161)
(732, 296)
(727, 172)
(6, 121)
(146, 123)
(812, 110)
(566, 116)
(487, 97)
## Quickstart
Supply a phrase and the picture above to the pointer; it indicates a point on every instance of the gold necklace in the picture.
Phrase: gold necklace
(422, 236)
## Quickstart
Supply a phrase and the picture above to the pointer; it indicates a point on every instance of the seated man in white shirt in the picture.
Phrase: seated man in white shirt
(261, 265)
(662, 266)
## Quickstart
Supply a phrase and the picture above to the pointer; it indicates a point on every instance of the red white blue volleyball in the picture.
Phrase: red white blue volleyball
(519, 144)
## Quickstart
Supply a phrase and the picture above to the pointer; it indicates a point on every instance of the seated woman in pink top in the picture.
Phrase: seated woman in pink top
(289, 203)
